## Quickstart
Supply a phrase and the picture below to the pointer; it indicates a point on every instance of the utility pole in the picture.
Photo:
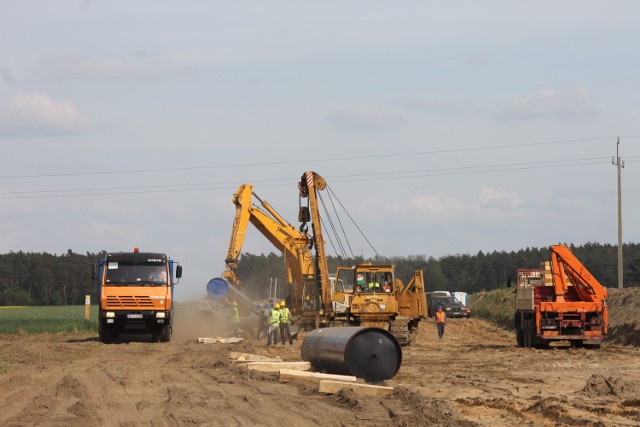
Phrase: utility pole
(620, 165)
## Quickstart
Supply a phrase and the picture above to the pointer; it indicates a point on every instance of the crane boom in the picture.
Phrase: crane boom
(562, 260)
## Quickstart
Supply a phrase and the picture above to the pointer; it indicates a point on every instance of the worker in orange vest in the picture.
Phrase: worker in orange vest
(441, 320)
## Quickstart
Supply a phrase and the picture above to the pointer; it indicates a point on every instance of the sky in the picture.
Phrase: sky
(441, 127)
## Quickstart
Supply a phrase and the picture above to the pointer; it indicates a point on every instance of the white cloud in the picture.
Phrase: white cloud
(38, 115)
(435, 204)
(366, 118)
(488, 205)
(491, 197)
(550, 104)
(67, 66)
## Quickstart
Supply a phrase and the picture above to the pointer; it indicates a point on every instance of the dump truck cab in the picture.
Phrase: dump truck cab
(136, 294)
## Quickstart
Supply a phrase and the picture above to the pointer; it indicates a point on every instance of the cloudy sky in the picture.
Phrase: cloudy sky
(441, 127)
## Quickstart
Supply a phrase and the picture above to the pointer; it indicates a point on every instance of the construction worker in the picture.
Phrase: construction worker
(285, 321)
(235, 320)
(274, 325)
(441, 320)
(263, 318)
(374, 286)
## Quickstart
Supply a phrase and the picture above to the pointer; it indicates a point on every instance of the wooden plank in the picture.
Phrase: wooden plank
(329, 386)
(220, 340)
(277, 366)
(249, 357)
(287, 374)
(231, 340)
(273, 360)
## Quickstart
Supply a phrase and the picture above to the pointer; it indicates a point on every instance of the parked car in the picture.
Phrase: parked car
(451, 306)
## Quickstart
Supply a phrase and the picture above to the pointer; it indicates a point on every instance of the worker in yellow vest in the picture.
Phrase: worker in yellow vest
(274, 325)
(285, 321)
(235, 320)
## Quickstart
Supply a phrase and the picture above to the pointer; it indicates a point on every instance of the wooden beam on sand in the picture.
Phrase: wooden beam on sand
(287, 374)
(231, 340)
(277, 366)
(249, 357)
(328, 386)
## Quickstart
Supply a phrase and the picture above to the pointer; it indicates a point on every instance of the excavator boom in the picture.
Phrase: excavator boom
(286, 238)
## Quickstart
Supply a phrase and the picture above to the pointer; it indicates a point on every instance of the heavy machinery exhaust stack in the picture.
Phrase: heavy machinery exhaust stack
(373, 354)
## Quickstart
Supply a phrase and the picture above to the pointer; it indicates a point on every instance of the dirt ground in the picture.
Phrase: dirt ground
(474, 376)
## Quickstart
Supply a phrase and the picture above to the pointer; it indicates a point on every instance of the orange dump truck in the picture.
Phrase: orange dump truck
(136, 294)
(560, 301)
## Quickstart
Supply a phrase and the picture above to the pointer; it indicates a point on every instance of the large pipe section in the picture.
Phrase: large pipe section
(218, 289)
(373, 354)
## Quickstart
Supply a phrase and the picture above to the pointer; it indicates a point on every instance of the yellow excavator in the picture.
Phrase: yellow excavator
(361, 295)
(364, 294)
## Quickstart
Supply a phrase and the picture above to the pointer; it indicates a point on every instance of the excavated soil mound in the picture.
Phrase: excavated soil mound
(624, 316)
(600, 385)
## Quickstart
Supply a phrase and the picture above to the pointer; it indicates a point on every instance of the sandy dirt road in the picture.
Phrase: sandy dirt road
(474, 376)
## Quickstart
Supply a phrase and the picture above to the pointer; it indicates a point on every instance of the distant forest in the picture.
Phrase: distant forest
(46, 279)
(466, 273)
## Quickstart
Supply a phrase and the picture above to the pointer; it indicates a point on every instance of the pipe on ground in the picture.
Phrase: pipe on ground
(373, 354)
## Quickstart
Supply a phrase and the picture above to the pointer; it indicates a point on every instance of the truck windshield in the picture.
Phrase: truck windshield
(136, 273)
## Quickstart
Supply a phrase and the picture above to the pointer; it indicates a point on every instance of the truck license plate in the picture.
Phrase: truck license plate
(134, 316)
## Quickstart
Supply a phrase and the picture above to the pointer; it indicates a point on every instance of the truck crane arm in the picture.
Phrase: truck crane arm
(564, 262)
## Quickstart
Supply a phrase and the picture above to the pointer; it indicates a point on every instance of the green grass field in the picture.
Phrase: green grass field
(52, 319)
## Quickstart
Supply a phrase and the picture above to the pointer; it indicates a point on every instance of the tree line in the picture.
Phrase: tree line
(464, 273)
(28, 278)
(49, 279)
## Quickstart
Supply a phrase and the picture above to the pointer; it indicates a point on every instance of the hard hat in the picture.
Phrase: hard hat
(307, 298)
(277, 305)
(282, 303)
(440, 307)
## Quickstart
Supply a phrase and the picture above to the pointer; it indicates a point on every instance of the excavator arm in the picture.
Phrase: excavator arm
(564, 264)
(285, 237)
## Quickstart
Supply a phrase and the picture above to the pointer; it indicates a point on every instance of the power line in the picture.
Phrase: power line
(286, 180)
(465, 170)
(330, 159)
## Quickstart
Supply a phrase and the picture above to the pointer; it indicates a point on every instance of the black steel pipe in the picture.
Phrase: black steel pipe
(373, 354)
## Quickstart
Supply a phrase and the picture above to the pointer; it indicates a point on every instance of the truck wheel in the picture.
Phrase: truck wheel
(104, 334)
(165, 333)
(527, 332)
(519, 339)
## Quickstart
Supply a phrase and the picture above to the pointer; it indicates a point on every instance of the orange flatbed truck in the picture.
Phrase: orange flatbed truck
(560, 301)
(136, 294)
